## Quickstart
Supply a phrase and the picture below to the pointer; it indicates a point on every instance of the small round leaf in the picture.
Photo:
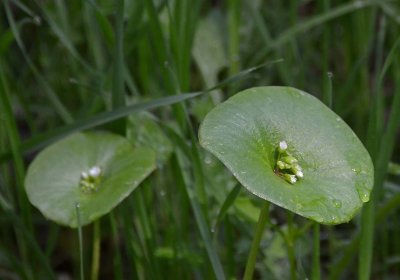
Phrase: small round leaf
(244, 132)
(53, 179)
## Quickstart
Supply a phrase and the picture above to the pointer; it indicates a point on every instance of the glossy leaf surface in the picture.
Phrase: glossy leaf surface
(244, 133)
(53, 178)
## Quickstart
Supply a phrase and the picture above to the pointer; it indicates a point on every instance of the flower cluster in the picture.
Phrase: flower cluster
(286, 165)
(90, 181)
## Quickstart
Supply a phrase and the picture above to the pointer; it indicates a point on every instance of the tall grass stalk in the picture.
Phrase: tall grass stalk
(255, 245)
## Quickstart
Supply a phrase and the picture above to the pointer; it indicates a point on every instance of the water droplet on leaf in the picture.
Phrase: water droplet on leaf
(363, 193)
(318, 218)
(337, 203)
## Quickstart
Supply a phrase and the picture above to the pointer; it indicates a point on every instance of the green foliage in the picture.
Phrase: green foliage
(54, 180)
(150, 71)
(245, 132)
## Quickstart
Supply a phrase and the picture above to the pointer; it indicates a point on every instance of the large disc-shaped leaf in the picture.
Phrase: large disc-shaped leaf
(53, 179)
(244, 133)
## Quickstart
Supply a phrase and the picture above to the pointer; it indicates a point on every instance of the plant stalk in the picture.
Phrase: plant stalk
(251, 261)
(96, 250)
(80, 240)
(316, 271)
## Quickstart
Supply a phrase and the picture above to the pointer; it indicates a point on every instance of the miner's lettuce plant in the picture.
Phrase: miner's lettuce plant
(94, 171)
(247, 131)
(288, 148)
(275, 158)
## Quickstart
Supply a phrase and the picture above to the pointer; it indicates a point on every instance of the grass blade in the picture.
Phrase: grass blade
(288, 35)
(200, 220)
(52, 96)
(230, 199)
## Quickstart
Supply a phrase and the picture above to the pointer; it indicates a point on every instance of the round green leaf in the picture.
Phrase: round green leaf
(244, 133)
(53, 179)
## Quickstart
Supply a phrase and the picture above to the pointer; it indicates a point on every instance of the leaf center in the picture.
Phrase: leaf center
(286, 165)
(90, 180)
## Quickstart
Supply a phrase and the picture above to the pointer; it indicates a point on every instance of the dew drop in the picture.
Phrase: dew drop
(363, 193)
(356, 170)
(337, 203)
(208, 160)
(365, 197)
(318, 218)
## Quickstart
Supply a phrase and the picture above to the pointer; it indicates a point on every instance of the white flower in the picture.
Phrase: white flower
(84, 175)
(299, 174)
(95, 171)
(282, 146)
(290, 178)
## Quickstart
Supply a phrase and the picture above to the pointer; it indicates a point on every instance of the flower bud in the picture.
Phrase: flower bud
(282, 146)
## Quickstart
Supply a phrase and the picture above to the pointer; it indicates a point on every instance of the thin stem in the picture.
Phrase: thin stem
(327, 98)
(316, 271)
(78, 217)
(290, 246)
(96, 250)
(251, 261)
(117, 255)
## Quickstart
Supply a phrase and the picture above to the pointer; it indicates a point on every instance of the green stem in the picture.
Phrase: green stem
(234, 22)
(78, 217)
(290, 246)
(96, 250)
(117, 255)
(366, 241)
(233, 48)
(251, 261)
(316, 270)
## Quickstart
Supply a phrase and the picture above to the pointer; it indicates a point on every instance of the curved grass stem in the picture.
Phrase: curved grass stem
(96, 250)
(316, 270)
(251, 261)
(80, 239)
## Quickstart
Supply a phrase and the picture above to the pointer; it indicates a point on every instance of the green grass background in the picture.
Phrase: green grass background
(68, 66)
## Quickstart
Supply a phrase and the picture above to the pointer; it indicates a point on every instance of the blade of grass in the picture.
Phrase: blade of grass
(234, 7)
(316, 270)
(118, 92)
(80, 241)
(288, 35)
(52, 96)
(40, 141)
(381, 159)
(337, 269)
(200, 220)
(96, 250)
(30, 240)
(118, 99)
(62, 36)
(117, 259)
(230, 199)
(93, 35)
(134, 248)
(255, 245)
(14, 140)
